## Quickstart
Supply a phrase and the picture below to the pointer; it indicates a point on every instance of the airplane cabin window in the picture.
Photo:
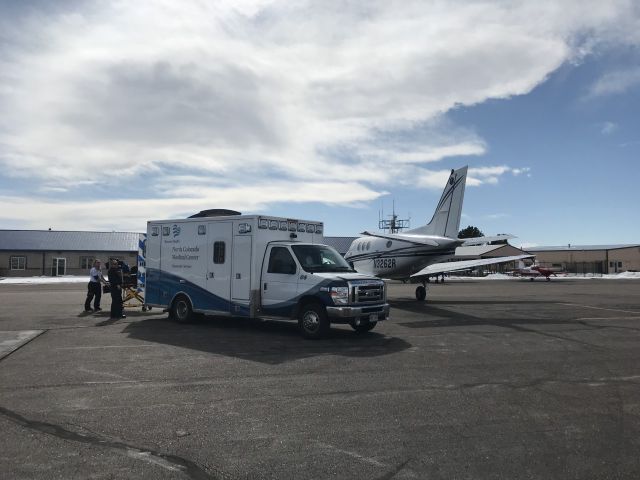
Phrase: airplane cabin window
(389, 244)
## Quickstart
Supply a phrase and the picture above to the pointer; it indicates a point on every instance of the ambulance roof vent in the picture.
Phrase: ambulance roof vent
(215, 212)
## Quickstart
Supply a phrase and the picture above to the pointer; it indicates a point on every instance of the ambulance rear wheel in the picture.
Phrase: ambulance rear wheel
(312, 321)
(181, 310)
(421, 293)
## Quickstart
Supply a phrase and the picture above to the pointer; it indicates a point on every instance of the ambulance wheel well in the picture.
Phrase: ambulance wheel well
(307, 299)
(181, 308)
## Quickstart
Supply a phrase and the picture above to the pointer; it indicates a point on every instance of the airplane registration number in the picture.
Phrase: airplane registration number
(384, 263)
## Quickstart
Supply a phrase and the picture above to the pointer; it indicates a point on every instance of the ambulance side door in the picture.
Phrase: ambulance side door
(279, 281)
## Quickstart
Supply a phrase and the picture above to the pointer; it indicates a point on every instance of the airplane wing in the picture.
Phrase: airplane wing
(415, 239)
(482, 240)
(465, 265)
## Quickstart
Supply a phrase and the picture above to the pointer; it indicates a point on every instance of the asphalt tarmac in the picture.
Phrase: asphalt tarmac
(486, 380)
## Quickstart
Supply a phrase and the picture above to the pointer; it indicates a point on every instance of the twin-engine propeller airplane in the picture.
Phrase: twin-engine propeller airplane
(423, 251)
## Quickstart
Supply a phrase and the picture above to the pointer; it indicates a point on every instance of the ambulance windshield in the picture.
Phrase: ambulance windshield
(320, 258)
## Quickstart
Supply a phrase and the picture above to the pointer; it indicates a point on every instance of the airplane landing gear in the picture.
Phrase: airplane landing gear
(421, 293)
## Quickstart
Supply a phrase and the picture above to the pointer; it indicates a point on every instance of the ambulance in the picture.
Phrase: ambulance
(256, 266)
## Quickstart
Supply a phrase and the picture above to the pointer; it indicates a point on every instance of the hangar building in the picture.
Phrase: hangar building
(29, 253)
(590, 258)
(45, 252)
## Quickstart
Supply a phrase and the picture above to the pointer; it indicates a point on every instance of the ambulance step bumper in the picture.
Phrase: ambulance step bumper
(346, 312)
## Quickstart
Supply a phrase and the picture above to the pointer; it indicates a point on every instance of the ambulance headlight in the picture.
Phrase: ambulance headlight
(340, 295)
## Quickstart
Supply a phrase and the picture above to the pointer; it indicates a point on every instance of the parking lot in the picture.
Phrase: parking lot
(487, 379)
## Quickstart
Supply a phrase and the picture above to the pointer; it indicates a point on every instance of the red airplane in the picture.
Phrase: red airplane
(534, 271)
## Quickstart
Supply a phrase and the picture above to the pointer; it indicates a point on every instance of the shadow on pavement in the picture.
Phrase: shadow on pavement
(261, 341)
(441, 317)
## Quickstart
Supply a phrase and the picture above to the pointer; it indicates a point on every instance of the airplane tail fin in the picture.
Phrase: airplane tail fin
(446, 218)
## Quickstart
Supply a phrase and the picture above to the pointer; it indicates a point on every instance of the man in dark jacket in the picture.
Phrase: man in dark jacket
(115, 280)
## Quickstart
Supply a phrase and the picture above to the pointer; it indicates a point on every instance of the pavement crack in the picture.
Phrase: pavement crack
(169, 462)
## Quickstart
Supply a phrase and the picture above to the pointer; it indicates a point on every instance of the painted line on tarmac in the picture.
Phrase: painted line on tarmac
(599, 308)
(362, 458)
(607, 318)
(394, 469)
(97, 347)
(10, 341)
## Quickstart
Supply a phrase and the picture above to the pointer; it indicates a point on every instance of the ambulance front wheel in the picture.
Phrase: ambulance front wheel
(312, 321)
(181, 310)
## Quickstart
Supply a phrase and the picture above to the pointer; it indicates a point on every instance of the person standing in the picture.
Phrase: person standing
(116, 280)
(94, 288)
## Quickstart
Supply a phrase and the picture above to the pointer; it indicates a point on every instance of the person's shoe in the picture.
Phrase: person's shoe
(97, 309)
(88, 310)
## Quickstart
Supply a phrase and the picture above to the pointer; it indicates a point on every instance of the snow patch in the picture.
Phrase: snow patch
(44, 280)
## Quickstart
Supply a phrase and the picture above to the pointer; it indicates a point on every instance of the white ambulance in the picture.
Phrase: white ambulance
(257, 267)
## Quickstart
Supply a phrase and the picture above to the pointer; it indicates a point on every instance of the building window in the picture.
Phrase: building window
(18, 263)
(218, 252)
(619, 264)
(86, 262)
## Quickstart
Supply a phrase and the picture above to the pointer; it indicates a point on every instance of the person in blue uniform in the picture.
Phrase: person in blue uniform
(115, 280)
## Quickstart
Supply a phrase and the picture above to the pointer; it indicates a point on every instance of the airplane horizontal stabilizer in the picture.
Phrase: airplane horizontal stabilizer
(483, 240)
(465, 265)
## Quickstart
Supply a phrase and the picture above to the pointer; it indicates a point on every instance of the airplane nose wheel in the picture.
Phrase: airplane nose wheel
(421, 293)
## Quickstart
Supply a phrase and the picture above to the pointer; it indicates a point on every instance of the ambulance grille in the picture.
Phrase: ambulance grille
(370, 293)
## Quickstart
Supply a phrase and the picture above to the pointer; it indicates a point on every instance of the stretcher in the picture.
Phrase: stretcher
(132, 296)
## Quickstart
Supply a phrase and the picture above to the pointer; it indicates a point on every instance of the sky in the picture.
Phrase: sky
(118, 112)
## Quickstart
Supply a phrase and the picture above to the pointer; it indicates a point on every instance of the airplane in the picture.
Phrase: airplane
(423, 251)
(534, 271)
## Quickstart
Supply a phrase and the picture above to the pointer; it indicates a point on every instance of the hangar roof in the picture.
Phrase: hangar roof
(29, 240)
(581, 247)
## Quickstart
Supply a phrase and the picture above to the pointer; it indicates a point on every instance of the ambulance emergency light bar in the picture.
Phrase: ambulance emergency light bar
(291, 225)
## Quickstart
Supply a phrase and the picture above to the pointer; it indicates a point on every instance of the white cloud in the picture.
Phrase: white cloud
(617, 82)
(608, 128)
(496, 216)
(132, 214)
(521, 171)
(340, 97)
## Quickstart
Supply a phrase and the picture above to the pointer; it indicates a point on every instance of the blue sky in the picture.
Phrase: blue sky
(118, 112)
